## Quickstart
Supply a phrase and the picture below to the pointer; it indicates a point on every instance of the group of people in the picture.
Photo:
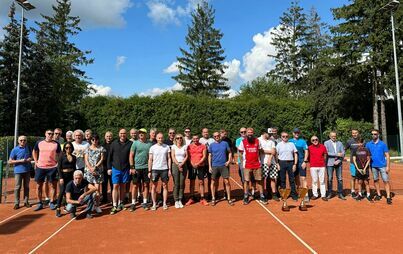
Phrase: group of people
(83, 168)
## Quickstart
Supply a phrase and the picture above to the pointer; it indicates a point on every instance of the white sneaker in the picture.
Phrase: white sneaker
(180, 204)
(98, 210)
(153, 208)
(165, 207)
(177, 204)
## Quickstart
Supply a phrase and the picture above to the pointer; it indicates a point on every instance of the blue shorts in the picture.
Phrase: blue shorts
(376, 171)
(120, 176)
(300, 171)
(352, 169)
(45, 173)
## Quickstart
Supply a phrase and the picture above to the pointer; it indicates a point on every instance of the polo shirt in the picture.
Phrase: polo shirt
(301, 146)
(19, 153)
(377, 150)
(317, 155)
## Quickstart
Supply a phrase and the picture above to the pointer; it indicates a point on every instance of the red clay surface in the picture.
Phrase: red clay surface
(327, 227)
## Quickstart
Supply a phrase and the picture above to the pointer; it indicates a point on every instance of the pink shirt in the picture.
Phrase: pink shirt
(47, 153)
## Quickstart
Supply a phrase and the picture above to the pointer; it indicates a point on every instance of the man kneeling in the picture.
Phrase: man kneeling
(79, 192)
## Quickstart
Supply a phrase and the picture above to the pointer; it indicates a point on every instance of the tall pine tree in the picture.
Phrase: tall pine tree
(201, 67)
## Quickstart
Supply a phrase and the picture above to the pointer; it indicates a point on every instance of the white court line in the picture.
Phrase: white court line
(282, 224)
(55, 233)
(12, 216)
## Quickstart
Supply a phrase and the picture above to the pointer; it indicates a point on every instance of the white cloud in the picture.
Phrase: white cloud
(120, 60)
(232, 72)
(101, 90)
(158, 91)
(231, 93)
(173, 68)
(256, 62)
(161, 12)
(93, 13)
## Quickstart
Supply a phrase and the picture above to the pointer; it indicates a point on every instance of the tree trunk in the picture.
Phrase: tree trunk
(383, 121)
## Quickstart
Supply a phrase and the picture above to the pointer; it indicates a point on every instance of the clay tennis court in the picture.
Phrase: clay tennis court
(327, 227)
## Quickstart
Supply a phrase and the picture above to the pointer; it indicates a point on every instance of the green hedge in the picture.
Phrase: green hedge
(343, 128)
(179, 111)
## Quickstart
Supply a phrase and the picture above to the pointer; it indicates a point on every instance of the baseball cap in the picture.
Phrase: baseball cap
(144, 130)
(296, 130)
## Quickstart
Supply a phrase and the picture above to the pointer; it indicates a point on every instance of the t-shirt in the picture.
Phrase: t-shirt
(169, 142)
(47, 153)
(251, 153)
(160, 155)
(361, 156)
(377, 151)
(79, 150)
(352, 144)
(180, 153)
(286, 150)
(238, 141)
(219, 151)
(19, 153)
(266, 145)
(206, 141)
(301, 146)
(188, 141)
(76, 190)
(196, 152)
(141, 151)
(317, 155)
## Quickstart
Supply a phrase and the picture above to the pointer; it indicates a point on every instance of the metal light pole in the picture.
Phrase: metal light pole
(25, 6)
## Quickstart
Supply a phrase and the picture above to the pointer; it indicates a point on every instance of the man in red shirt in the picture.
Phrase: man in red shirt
(250, 149)
(317, 158)
(198, 154)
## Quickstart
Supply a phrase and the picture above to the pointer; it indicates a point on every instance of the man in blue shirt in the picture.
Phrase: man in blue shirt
(302, 148)
(380, 164)
(21, 158)
(219, 159)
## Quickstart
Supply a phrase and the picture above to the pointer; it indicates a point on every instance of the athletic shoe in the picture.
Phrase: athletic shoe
(58, 212)
(16, 206)
(204, 202)
(213, 202)
(154, 207)
(245, 200)
(369, 199)
(52, 206)
(72, 215)
(314, 197)
(354, 195)
(89, 215)
(114, 210)
(47, 201)
(180, 204)
(389, 201)
(121, 207)
(306, 199)
(38, 207)
(325, 199)
(358, 198)
(342, 197)
(27, 204)
(275, 197)
(145, 206)
(295, 198)
(190, 202)
(377, 198)
(177, 204)
(98, 210)
(263, 200)
(165, 207)
(329, 196)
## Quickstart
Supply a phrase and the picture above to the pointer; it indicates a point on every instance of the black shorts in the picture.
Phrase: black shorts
(41, 174)
(200, 172)
(220, 171)
(157, 174)
(140, 175)
(360, 176)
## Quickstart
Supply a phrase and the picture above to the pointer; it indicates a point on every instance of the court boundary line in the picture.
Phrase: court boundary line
(54, 234)
(282, 223)
(15, 215)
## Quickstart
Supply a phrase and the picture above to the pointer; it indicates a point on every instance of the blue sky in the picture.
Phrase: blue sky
(135, 41)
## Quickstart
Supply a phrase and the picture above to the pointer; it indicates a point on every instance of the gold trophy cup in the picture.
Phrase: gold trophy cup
(302, 193)
(284, 193)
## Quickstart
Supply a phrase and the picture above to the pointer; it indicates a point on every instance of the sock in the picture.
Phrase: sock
(114, 204)
(352, 191)
(133, 201)
(144, 201)
(120, 202)
(261, 196)
(368, 195)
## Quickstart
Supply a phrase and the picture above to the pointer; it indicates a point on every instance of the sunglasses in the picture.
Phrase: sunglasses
(216, 136)
(172, 133)
(374, 134)
(243, 132)
(179, 138)
(284, 136)
(67, 147)
(187, 131)
(313, 140)
(49, 133)
(23, 140)
(57, 133)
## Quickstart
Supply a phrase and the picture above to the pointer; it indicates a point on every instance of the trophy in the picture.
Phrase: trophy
(284, 193)
(302, 193)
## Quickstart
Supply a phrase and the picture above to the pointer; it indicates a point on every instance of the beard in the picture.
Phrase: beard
(250, 139)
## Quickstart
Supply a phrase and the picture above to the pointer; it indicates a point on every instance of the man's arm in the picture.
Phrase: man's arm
(150, 164)
(203, 158)
(71, 201)
(387, 155)
(209, 163)
(131, 162)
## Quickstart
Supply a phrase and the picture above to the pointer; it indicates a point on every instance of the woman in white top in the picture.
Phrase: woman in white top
(179, 157)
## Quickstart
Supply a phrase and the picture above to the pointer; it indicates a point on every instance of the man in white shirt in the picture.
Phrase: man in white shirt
(287, 155)
(268, 163)
(159, 166)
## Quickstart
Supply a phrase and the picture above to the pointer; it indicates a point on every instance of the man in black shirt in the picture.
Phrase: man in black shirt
(79, 192)
(119, 168)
